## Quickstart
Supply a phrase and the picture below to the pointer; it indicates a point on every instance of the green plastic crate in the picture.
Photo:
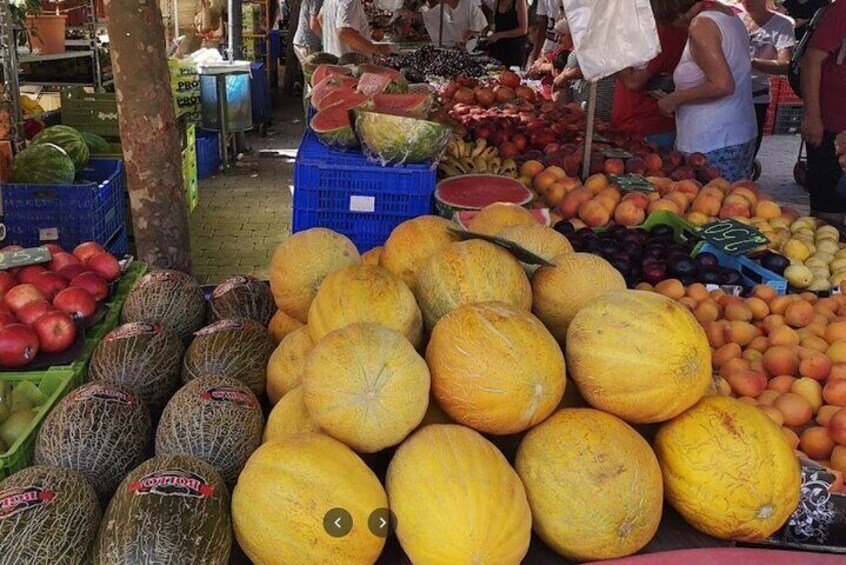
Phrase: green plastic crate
(91, 112)
(682, 229)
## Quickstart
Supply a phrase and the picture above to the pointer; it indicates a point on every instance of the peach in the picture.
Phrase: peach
(741, 333)
(815, 366)
(638, 198)
(614, 166)
(837, 351)
(706, 204)
(747, 194)
(663, 185)
(837, 426)
(653, 162)
(559, 173)
(606, 203)
(747, 383)
(797, 411)
(783, 335)
(817, 442)
(569, 206)
(834, 392)
(710, 190)
(767, 209)
(825, 413)
(724, 354)
(715, 331)
(596, 183)
(612, 193)
(653, 196)
(629, 214)
(531, 169)
(594, 214)
(680, 200)
(781, 383)
(781, 360)
(664, 204)
(698, 218)
(554, 194)
(734, 210)
(689, 188)
(543, 181)
(767, 397)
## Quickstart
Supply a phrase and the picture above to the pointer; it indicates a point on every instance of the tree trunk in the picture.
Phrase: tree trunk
(292, 66)
(149, 133)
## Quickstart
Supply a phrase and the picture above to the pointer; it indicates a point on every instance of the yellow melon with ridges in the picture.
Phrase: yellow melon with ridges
(543, 241)
(289, 417)
(412, 243)
(286, 364)
(495, 217)
(281, 324)
(372, 256)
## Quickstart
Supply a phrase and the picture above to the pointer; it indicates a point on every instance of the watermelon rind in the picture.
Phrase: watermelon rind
(352, 58)
(96, 144)
(44, 163)
(392, 139)
(67, 138)
(347, 97)
(315, 60)
(494, 188)
(324, 71)
(329, 84)
(334, 127)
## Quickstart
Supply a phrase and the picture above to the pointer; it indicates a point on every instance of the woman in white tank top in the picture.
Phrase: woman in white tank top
(712, 100)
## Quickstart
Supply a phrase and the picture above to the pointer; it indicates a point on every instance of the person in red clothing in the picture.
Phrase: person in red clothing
(635, 109)
(823, 77)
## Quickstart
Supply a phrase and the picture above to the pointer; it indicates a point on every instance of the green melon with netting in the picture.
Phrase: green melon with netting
(67, 138)
(44, 163)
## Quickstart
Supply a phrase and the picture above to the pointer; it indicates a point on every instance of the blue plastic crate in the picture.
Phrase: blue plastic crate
(342, 191)
(118, 245)
(92, 210)
(751, 272)
(208, 153)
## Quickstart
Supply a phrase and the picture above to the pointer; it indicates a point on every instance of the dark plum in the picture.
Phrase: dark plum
(682, 266)
(564, 227)
(688, 280)
(662, 230)
(774, 262)
(654, 273)
(732, 277)
(710, 275)
(609, 247)
(618, 232)
(707, 260)
(621, 265)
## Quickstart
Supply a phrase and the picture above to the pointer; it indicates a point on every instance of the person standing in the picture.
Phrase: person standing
(511, 29)
(802, 11)
(345, 29)
(307, 37)
(771, 43)
(462, 21)
(823, 79)
(546, 39)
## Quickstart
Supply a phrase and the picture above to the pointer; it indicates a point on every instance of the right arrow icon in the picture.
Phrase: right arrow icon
(382, 522)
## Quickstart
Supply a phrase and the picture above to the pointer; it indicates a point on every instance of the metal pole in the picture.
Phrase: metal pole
(11, 88)
(234, 23)
(441, 26)
(589, 135)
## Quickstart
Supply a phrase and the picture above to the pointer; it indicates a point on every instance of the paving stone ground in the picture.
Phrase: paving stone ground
(245, 213)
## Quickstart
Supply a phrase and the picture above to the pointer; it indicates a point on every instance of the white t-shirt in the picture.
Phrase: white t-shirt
(339, 14)
(552, 9)
(467, 16)
(764, 43)
(727, 121)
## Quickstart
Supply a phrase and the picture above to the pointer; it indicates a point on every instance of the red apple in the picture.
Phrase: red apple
(50, 284)
(70, 272)
(105, 265)
(93, 283)
(32, 311)
(21, 295)
(56, 331)
(62, 260)
(84, 251)
(18, 345)
(7, 281)
(27, 274)
(54, 248)
(75, 302)
(7, 319)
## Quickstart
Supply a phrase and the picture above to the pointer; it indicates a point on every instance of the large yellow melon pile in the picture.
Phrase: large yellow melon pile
(412, 243)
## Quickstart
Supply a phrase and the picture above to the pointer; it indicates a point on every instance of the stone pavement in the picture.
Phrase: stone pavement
(244, 214)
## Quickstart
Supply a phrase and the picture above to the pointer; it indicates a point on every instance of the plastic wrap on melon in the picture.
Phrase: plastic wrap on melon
(392, 139)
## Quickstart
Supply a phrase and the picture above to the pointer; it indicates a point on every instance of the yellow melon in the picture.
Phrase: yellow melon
(284, 493)
(372, 257)
(638, 355)
(559, 292)
(457, 500)
(286, 363)
(544, 242)
(728, 469)
(365, 293)
(412, 243)
(366, 386)
(593, 483)
(281, 324)
(289, 417)
(495, 217)
(495, 368)
(467, 272)
(301, 263)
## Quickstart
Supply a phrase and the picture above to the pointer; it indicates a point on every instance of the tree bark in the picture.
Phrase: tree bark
(292, 66)
(149, 133)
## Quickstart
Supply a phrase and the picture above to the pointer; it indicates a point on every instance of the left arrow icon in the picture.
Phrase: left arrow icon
(337, 522)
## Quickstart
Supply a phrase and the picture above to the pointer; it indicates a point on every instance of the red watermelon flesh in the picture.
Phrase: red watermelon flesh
(474, 192)
(323, 71)
(345, 96)
(329, 84)
(334, 127)
(411, 104)
(364, 68)
(371, 84)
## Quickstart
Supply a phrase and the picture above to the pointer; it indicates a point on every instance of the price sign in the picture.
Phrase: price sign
(599, 138)
(632, 183)
(732, 236)
(614, 153)
(24, 257)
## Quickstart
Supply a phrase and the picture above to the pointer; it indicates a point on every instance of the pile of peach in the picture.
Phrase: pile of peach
(785, 354)
(598, 202)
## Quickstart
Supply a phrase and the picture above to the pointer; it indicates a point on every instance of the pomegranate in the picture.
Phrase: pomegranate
(485, 97)
(464, 96)
(75, 302)
(524, 93)
(56, 331)
(509, 79)
(504, 94)
(18, 345)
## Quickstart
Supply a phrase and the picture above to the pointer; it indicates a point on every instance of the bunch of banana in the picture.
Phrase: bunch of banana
(463, 158)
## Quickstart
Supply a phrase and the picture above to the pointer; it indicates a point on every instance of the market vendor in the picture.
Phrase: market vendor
(546, 38)
(345, 29)
(463, 20)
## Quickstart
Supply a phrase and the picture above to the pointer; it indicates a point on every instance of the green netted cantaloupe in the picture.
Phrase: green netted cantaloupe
(242, 297)
(167, 298)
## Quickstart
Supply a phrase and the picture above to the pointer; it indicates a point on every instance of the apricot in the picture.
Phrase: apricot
(737, 312)
(838, 371)
(748, 400)
(671, 288)
(629, 214)
(809, 297)
(783, 335)
(741, 333)
(837, 425)
(594, 214)
(816, 442)
(568, 208)
(815, 343)
(554, 194)
(795, 409)
(531, 169)
(663, 204)
(607, 202)
(835, 331)
(758, 307)
(543, 181)
(764, 292)
(724, 354)
(758, 345)
(767, 397)
(644, 286)
(781, 383)
(721, 387)
(715, 331)
(688, 302)
(799, 314)
(771, 412)
(816, 330)
(697, 291)
(771, 322)
(834, 392)
(815, 366)
(757, 365)
(779, 304)
(810, 390)
(791, 436)
(596, 183)
(639, 199)
(838, 458)
(747, 383)
(837, 351)
(690, 188)
(825, 413)
(733, 366)
(559, 173)
(781, 360)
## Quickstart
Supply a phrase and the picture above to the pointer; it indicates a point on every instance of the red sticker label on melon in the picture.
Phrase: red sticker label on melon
(224, 325)
(172, 482)
(159, 277)
(133, 329)
(229, 394)
(105, 393)
(234, 282)
(17, 500)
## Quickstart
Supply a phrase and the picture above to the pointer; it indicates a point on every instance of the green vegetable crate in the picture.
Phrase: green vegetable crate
(56, 382)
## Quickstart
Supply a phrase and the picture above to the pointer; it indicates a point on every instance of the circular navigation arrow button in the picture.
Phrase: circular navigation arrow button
(382, 522)
(337, 522)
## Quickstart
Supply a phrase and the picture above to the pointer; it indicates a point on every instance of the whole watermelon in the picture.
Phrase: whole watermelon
(44, 163)
(99, 430)
(143, 358)
(167, 298)
(399, 139)
(242, 297)
(96, 144)
(172, 509)
(49, 515)
(239, 349)
(217, 419)
(67, 138)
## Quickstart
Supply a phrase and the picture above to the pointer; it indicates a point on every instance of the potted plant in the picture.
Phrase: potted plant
(45, 33)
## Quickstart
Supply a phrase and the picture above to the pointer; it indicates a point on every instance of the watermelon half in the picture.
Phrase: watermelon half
(397, 82)
(393, 139)
(323, 71)
(330, 83)
(334, 127)
(347, 97)
(474, 192)
(411, 104)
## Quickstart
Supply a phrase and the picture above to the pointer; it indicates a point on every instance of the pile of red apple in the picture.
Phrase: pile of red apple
(41, 305)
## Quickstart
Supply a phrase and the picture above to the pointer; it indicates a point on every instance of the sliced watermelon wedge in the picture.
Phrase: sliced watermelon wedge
(371, 84)
(323, 71)
(327, 85)
(348, 97)
(411, 104)
(474, 192)
(334, 127)
(393, 74)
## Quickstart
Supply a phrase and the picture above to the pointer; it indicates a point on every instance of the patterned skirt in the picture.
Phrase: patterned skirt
(735, 162)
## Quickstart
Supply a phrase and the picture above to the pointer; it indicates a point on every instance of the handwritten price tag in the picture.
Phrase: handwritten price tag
(24, 257)
(732, 237)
